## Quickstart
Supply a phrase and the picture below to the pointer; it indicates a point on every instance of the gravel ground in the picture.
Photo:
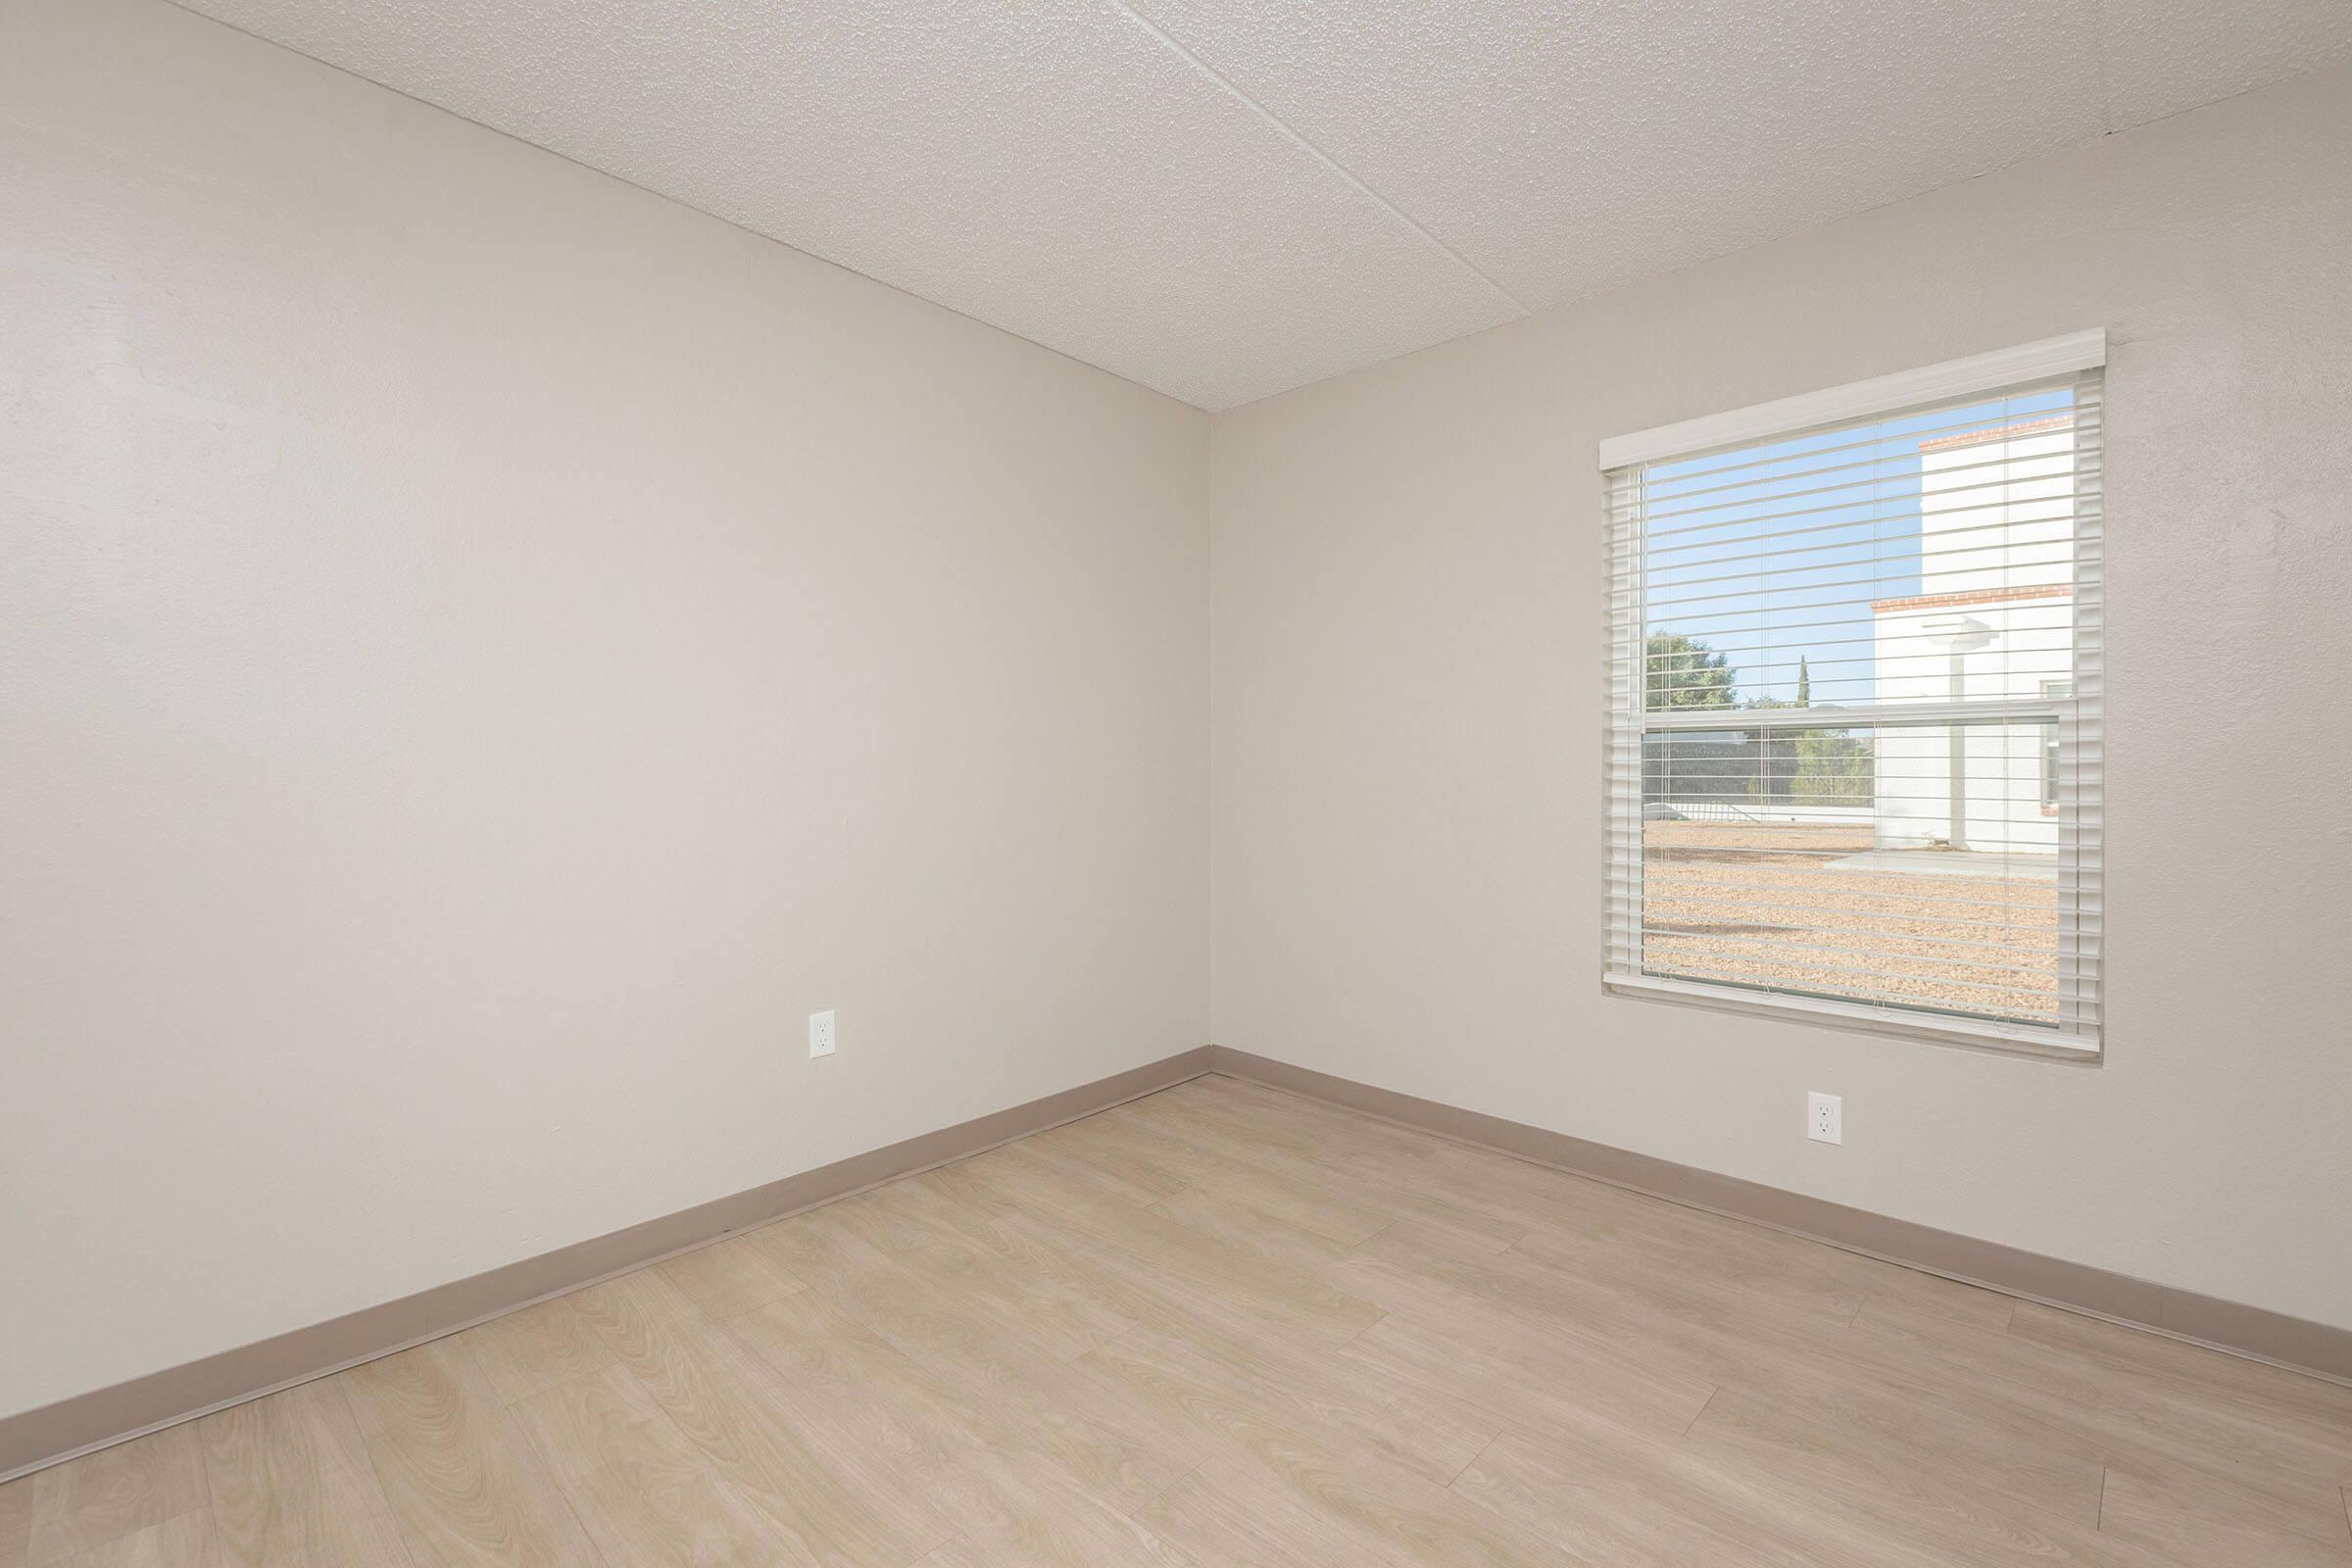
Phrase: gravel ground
(1764, 903)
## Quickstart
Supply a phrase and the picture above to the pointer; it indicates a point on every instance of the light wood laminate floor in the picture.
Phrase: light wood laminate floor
(1223, 1325)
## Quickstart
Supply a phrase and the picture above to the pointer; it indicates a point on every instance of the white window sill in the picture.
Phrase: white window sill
(2020, 1039)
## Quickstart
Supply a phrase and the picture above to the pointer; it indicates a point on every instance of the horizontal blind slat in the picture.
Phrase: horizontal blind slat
(1917, 833)
(1979, 492)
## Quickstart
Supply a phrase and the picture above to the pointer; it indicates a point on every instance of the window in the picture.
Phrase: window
(1853, 683)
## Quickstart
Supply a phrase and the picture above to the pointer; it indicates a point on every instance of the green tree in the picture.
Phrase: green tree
(1684, 673)
(1833, 768)
(1771, 754)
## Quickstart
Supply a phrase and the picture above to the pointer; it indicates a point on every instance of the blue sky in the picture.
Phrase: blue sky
(1842, 505)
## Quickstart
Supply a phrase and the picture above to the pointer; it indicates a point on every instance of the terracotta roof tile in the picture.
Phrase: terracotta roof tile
(1974, 596)
(1970, 438)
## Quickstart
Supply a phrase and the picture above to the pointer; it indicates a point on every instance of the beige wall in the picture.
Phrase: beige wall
(483, 652)
(1406, 770)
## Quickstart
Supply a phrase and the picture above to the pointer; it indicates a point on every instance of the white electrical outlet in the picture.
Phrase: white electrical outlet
(820, 1034)
(1825, 1118)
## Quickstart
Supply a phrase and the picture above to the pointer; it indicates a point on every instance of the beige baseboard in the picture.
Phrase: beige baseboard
(36, 1439)
(2254, 1332)
(78, 1425)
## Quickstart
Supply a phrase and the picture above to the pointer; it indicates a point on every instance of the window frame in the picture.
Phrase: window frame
(2072, 708)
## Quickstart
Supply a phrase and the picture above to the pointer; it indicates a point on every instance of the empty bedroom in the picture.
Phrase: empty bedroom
(980, 784)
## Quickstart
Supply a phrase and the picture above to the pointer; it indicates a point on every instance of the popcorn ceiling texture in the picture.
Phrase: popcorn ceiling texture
(1224, 199)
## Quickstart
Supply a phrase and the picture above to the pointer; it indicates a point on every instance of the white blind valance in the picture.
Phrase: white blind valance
(1853, 687)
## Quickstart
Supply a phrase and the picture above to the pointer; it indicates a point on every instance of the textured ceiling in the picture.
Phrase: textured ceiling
(1224, 199)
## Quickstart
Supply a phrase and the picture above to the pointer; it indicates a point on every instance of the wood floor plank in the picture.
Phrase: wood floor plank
(1207, 1113)
(1384, 1507)
(103, 1497)
(2128, 1420)
(1739, 1259)
(1915, 1428)
(734, 1276)
(1413, 1425)
(1325, 1184)
(642, 1491)
(184, 1541)
(535, 1349)
(290, 1481)
(1682, 1326)
(1530, 1381)
(1166, 1255)
(1149, 1168)
(1891, 1286)
(899, 1241)
(1798, 1368)
(1014, 1177)
(1086, 1306)
(1226, 1325)
(1402, 1166)
(843, 1377)
(1289, 1187)
(1577, 1222)
(1027, 1515)
(1904, 1491)
(1419, 1428)
(1276, 1119)
(1009, 1502)
(1785, 1499)
(2199, 1517)
(1631, 1509)
(1520, 1317)
(1225, 1216)
(1235, 1515)
(1119, 1451)
(461, 1477)
(818, 1495)
(2321, 1409)
(1696, 1326)
(1347, 1182)
(1532, 1196)
(15, 1521)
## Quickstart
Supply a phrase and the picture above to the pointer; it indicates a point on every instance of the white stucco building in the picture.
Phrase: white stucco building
(1992, 619)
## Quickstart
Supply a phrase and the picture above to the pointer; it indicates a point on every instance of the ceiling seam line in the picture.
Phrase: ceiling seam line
(1218, 77)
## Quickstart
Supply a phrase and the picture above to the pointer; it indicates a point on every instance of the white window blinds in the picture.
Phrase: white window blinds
(1854, 695)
